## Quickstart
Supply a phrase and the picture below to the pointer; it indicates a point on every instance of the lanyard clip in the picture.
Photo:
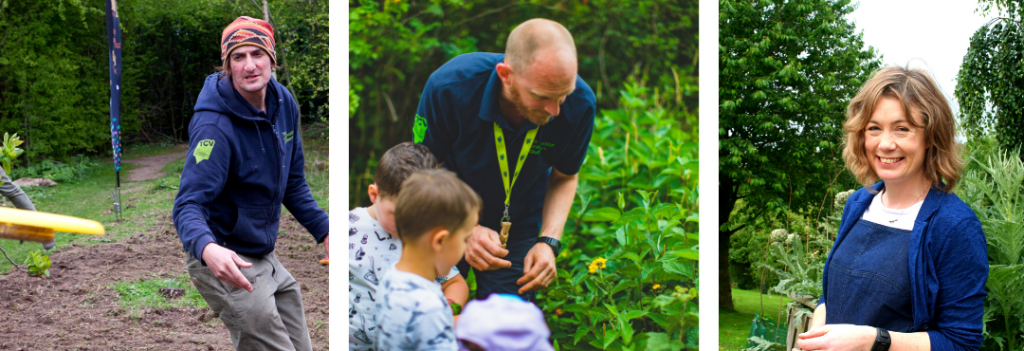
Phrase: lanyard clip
(505, 218)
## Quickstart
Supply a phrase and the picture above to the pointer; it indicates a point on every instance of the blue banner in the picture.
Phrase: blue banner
(114, 43)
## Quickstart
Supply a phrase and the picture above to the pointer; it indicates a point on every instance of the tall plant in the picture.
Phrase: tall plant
(994, 188)
(632, 256)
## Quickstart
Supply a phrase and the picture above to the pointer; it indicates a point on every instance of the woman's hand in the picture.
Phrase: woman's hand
(838, 337)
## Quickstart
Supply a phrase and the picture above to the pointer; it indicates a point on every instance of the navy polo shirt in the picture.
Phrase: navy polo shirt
(455, 119)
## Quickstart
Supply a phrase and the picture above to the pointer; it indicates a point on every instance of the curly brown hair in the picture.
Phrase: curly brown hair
(921, 97)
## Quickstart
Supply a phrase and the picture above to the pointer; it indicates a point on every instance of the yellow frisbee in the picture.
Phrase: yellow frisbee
(39, 226)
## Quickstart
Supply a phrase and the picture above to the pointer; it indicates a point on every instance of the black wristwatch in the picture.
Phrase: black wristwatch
(882, 341)
(556, 245)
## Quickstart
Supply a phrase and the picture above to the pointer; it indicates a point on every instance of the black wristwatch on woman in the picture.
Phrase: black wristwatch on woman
(882, 341)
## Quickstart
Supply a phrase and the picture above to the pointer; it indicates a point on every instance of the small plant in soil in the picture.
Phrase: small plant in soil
(38, 264)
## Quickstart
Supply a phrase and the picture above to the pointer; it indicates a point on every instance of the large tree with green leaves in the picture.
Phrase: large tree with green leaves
(990, 85)
(787, 71)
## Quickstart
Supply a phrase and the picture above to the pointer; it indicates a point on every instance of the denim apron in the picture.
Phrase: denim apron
(869, 279)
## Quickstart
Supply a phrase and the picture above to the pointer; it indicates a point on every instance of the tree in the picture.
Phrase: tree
(787, 72)
(990, 85)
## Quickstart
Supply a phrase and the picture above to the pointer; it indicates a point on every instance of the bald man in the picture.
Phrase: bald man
(519, 121)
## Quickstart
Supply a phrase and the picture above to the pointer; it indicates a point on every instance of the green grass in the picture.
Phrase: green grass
(136, 296)
(734, 326)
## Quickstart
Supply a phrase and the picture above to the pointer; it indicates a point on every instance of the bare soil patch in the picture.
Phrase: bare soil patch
(76, 308)
(149, 167)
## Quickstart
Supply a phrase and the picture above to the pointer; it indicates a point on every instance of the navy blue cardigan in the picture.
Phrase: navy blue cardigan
(948, 267)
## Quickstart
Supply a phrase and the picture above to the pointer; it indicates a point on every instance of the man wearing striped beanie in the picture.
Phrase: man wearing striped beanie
(245, 160)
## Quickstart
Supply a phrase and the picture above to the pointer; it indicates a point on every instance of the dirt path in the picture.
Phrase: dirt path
(77, 308)
(149, 167)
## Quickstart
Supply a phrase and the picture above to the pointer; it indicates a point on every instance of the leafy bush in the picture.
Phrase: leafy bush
(994, 188)
(631, 257)
(59, 172)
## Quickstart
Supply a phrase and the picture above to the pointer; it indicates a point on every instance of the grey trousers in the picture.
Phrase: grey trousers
(13, 192)
(269, 318)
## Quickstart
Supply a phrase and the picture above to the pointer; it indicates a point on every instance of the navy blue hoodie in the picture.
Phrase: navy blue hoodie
(242, 165)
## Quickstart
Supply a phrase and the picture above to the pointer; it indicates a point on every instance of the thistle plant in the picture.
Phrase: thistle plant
(995, 191)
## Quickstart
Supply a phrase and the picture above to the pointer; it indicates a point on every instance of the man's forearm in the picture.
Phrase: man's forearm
(557, 203)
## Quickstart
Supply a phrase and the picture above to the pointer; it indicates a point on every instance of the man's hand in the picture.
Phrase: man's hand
(327, 244)
(538, 269)
(483, 250)
(837, 337)
(224, 264)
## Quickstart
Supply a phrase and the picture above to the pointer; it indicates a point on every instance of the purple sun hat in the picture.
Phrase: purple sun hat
(503, 322)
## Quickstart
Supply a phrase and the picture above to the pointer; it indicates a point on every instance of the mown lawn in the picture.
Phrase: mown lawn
(734, 326)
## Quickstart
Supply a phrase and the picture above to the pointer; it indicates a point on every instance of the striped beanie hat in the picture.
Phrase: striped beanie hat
(247, 31)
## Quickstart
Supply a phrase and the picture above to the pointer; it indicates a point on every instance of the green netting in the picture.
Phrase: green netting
(767, 329)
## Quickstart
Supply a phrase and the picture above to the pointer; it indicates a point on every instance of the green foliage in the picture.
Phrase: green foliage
(787, 71)
(10, 151)
(631, 260)
(53, 75)
(38, 264)
(994, 188)
(395, 45)
(990, 84)
(54, 80)
(70, 172)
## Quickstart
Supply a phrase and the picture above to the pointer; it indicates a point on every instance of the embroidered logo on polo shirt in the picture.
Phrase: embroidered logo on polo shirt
(288, 136)
(203, 150)
(419, 129)
(536, 149)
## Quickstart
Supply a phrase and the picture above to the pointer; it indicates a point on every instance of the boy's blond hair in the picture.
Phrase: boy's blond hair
(433, 199)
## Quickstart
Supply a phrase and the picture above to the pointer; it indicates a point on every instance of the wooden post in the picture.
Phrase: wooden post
(797, 324)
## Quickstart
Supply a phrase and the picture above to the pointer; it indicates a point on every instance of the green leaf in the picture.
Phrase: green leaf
(580, 333)
(680, 268)
(662, 342)
(610, 337)
(575, 308)
(631, 214)
(622, 285)
(634, 314)
(664, 210)
(632, 256)
(689, 254)
(603, 214)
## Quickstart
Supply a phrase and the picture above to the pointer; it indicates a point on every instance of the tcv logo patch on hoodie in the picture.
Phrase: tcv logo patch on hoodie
(203, 150)
(288, 136)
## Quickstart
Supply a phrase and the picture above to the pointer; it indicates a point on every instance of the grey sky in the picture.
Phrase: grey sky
(933, 35)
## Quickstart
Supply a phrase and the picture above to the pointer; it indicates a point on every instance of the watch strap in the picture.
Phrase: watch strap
(556, 246)
(882, 341)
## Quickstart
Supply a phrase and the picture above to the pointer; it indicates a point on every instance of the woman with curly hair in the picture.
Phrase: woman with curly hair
(908, 267)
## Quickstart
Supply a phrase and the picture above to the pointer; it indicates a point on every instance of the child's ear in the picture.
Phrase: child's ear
(437, 239)
(374, 193)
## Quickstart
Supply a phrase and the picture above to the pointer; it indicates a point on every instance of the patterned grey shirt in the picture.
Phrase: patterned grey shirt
(372, 252)
(413, 314)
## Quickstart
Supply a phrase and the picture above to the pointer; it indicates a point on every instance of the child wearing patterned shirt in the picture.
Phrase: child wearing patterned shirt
(373, 249)
(434, 214)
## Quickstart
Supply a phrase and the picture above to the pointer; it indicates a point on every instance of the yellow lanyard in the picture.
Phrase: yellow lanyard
(499, 141)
